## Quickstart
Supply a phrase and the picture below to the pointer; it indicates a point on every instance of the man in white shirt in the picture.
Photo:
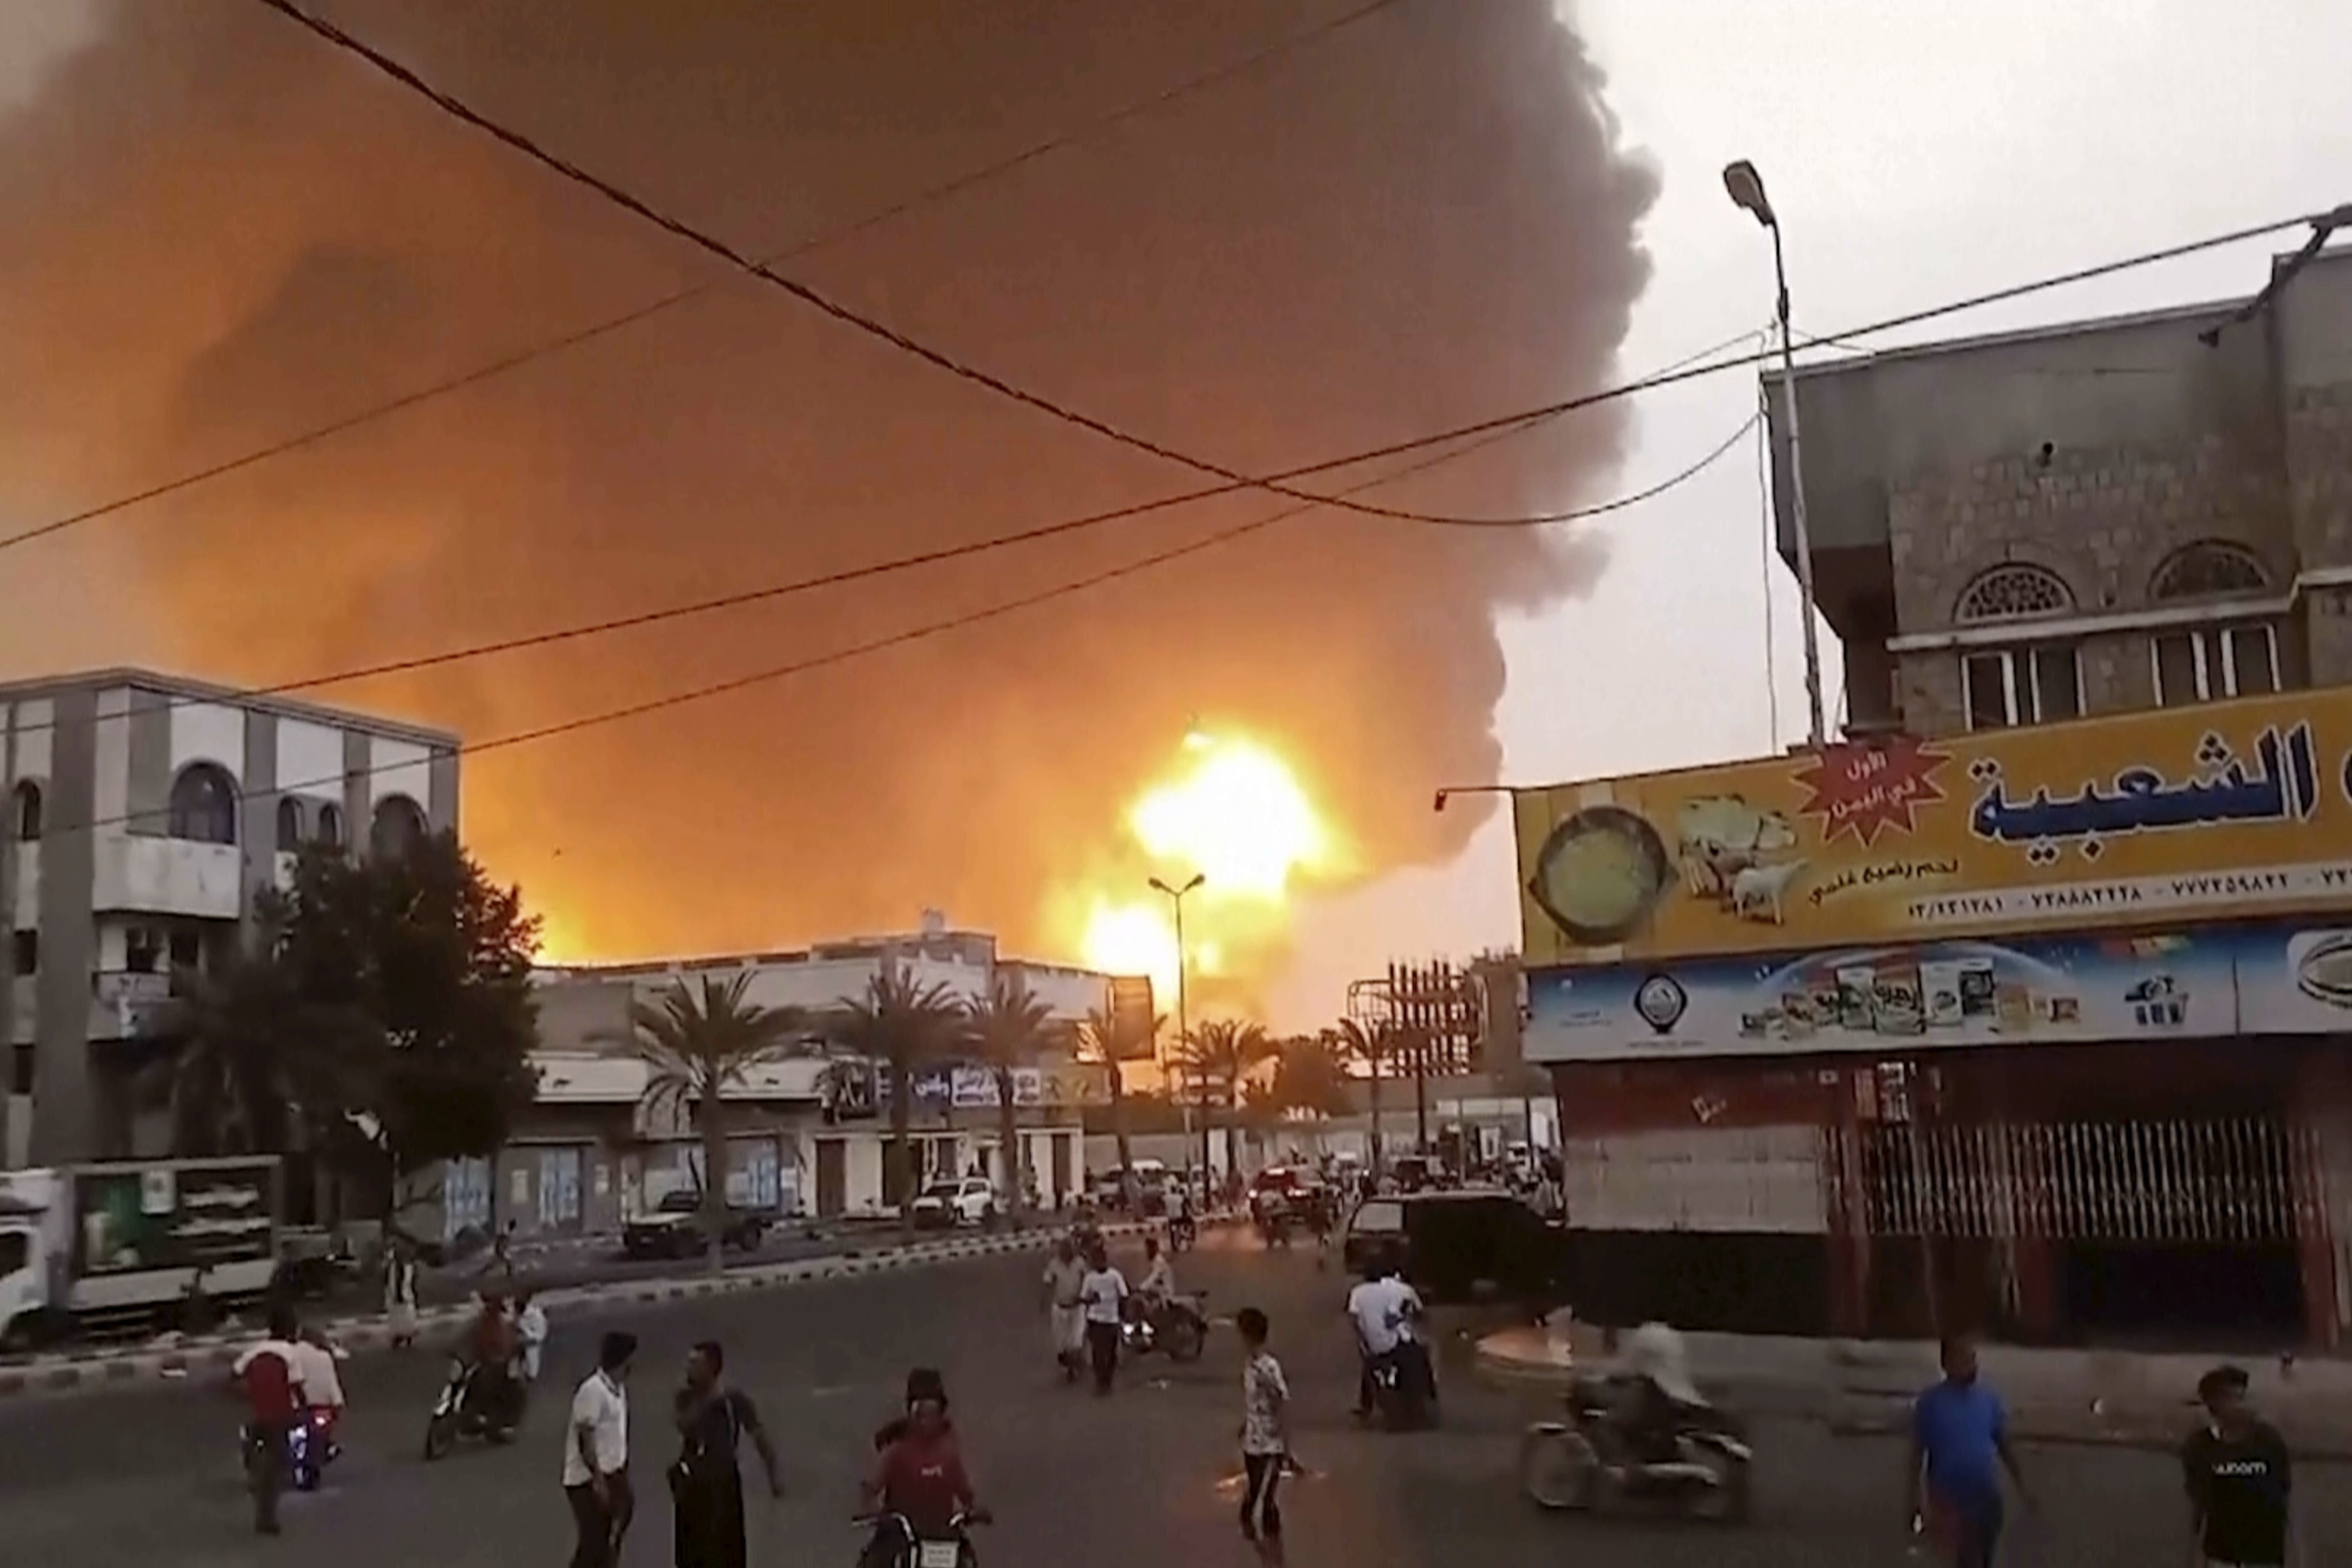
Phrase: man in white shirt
(1102, 1295)
(1382, 1308)
(531, 1331)
(596, 1457)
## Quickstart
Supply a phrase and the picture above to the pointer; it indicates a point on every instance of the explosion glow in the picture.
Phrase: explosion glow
(1236, 813)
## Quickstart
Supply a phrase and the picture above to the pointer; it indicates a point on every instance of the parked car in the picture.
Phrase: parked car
(675, 1228)
(1464, 1245)
(968, 1200)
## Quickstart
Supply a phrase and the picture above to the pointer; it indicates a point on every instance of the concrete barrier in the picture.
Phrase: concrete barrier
(178, 1359)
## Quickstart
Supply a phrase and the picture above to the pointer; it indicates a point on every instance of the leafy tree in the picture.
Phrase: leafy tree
(1100, 1039)
(1310, 1075)
(257, 1068)
(697, 1043)
(410, 1020)
(1222, 1054)
(906, 1027)
(1008, 1029)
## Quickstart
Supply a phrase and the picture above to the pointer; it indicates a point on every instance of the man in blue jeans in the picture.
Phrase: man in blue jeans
(1959, 1445)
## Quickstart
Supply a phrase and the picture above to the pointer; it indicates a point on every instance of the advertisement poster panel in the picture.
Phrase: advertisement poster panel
(2175, 816)
(2206, 983)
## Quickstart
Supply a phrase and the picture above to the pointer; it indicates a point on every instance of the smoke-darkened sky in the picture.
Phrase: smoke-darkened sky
(221, 232)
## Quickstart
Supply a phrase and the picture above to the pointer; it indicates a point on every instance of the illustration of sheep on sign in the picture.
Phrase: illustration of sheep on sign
(1731, 854)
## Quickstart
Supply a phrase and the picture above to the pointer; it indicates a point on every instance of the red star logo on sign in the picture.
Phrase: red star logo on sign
(1862, 790)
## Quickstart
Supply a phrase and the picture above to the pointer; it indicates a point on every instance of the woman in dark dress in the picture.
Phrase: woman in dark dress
(706, 1482)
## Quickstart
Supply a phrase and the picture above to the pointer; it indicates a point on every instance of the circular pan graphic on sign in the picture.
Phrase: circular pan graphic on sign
(1600, 873)
(1661, 1002)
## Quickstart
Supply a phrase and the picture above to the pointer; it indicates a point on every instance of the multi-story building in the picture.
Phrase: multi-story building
(2017, 1007)
(144, 811)
(807, 1134)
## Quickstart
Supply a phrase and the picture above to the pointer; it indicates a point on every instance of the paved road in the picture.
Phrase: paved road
(1141, 1480)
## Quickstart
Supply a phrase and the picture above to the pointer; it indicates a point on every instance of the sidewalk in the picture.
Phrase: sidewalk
(174, 1357)
(1865, 1388)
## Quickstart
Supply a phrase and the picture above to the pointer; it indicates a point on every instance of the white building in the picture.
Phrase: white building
(588, 1155)
(144, 811)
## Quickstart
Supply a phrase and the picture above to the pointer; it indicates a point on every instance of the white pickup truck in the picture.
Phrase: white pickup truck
(104, 1246)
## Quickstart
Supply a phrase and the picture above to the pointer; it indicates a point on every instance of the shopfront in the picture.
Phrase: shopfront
(2041, 1031)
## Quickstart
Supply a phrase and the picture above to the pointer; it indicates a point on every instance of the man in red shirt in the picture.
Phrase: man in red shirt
(273, 1391)
(920, 1475)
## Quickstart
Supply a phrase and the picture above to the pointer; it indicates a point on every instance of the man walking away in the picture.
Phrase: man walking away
(1104, 1293)
(269, 1375)
(596, 1457)
(2239, 1480)
(1959, 1445)
(1065, 1307)
(1265, 1437)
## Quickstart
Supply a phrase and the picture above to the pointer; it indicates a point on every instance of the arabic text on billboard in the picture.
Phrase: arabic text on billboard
(2230, 809)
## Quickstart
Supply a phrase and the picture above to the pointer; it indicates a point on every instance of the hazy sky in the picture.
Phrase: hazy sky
(1335, 251)
(1917, 152)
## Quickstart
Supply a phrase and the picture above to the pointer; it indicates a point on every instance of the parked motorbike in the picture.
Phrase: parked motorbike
(1591, 1461)
(1180, 1328)
(897, 1544)
(461, 1410)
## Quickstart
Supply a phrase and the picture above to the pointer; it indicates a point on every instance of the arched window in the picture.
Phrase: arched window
(2015, 590)
(25, 820)
(398, 824)
(203, 804)
(331, 825)
(2032, 682)
(2207, 570)
(2227, 658)
(290, 822)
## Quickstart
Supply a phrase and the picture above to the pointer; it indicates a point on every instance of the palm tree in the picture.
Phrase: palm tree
(1224, 1053)
(1008, 1028)
(695, 1042)
(1101, 1039)
(905, 1027)
(1370, 1044)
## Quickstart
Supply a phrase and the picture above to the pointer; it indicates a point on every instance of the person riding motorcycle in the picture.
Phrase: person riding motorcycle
(1384, 1312)
(492, 1346)
(1158, 1286)
(1656, 1389)
(918, 1475)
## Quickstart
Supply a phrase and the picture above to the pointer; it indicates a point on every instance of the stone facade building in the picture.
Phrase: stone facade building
(2097, 518)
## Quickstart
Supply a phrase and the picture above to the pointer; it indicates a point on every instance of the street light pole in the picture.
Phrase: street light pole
(1176, 896)
(1747, 189)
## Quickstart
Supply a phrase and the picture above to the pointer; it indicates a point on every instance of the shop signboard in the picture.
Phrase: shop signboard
(2202, 983)
(2222, 811)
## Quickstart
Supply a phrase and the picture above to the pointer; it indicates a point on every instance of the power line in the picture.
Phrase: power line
(1690, 369)
(1488, 434)
(914, 347)
(928, 196)
(953, 624)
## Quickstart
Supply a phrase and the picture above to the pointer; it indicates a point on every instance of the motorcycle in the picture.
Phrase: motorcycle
(1404, 1389)
(1181, 1233)
(1180, 1328)
(460, 1412)
(311, 1447)
(896, 1544)
(1588, 1461)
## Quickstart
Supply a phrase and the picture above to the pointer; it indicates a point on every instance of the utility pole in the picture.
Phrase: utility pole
(1176, 896)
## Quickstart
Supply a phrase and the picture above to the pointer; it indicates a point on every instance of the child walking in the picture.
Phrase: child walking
(1265, 1437)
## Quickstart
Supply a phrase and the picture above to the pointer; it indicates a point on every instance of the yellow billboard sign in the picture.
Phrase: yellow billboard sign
(2163, 817)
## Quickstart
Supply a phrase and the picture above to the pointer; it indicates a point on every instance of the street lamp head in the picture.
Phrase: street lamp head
(1437, 802)
(1198, 878)
(1747, 189)
(1159, 887)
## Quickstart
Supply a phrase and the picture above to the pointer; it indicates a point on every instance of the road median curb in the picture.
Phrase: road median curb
(87, 1370)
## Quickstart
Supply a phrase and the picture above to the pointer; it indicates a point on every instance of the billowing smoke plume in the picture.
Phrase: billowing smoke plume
(221, 232)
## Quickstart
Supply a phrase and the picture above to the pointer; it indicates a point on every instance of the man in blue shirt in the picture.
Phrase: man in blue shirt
(1959, 1445)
